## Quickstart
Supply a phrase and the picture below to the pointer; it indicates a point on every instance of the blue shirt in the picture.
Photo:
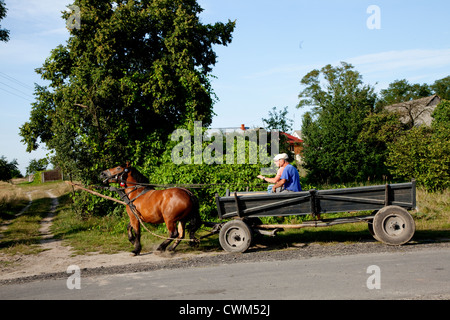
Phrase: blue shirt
(292, 178)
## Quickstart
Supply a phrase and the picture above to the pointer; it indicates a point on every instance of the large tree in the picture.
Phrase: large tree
(340, 101)
(131, 73)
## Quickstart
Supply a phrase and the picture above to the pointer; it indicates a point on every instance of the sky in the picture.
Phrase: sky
(275, 44)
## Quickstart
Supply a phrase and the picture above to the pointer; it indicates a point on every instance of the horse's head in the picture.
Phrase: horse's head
(116, 174)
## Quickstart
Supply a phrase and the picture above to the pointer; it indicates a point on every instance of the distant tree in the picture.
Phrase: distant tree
(4, 34)
(402, 91)
(278, 120)
(442, 88)
(330, 132)
(8, 170)
(37, 165)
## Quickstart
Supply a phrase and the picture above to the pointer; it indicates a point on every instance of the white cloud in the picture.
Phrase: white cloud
(37, 10)
(413, 59)
(284, 70)
(419, 62)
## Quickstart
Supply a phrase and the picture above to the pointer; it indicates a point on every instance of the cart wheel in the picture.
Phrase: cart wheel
(393, 225)
(235, 236)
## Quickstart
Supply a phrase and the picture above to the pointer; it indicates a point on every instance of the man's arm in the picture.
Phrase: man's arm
(279, 184)
(272, 180)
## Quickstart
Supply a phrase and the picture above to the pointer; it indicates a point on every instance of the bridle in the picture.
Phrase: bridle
(120, 177)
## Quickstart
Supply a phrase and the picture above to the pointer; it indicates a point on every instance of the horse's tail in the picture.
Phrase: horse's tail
(195, 221)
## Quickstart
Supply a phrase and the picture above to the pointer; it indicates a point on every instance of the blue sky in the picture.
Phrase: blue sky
(275, 44)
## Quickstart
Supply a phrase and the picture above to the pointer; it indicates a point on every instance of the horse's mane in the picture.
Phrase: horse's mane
(139, 177)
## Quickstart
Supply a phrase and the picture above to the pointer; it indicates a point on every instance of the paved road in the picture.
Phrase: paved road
(410, 275)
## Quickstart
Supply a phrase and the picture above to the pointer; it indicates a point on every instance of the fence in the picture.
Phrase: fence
(52, 175)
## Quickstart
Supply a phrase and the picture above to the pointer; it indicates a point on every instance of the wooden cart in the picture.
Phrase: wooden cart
(389, 222)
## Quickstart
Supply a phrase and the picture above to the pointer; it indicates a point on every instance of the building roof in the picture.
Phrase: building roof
(416, 112)
(291, 138)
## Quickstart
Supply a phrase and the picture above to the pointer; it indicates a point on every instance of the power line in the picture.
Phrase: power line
(24, 93)
(8, 77)
(16, 95)
(13, 83)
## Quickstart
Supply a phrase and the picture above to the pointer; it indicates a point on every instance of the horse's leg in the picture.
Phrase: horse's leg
(137, 240)
(135, 226)
(173, 233)
(181, 226)
(131, 236)
(194, 224)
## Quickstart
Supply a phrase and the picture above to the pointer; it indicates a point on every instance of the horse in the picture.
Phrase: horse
(167, 206)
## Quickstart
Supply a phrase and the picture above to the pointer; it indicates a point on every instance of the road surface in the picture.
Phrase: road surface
(422, 274)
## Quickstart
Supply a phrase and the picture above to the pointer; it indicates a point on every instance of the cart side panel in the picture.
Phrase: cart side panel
(261, 205)
(367, 198)
(321, 201)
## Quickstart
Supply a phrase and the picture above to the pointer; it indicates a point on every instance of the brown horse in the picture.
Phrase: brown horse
(167, 206)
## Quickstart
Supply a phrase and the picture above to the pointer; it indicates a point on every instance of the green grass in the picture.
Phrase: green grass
(22, 234)
(433, 215)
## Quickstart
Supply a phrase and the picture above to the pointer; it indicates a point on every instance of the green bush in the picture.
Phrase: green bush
(423, 153)
(215, 178)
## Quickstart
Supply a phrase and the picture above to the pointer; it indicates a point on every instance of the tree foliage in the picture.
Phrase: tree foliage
(442, 88)
(8, 170)
(341, 102)
(377, 132)
(4, 34)
(423, 153)
(347, 138)
(212, 178)
(402, 91)
(36, 165)
(278, 120)
(132, 73)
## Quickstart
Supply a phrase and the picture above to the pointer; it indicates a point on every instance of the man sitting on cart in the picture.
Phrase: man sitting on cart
(277, 178)
(287, 177)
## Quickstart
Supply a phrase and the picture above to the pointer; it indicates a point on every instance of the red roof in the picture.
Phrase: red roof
(291, 138)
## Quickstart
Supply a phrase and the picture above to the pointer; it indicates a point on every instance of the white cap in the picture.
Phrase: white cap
(280, 156)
